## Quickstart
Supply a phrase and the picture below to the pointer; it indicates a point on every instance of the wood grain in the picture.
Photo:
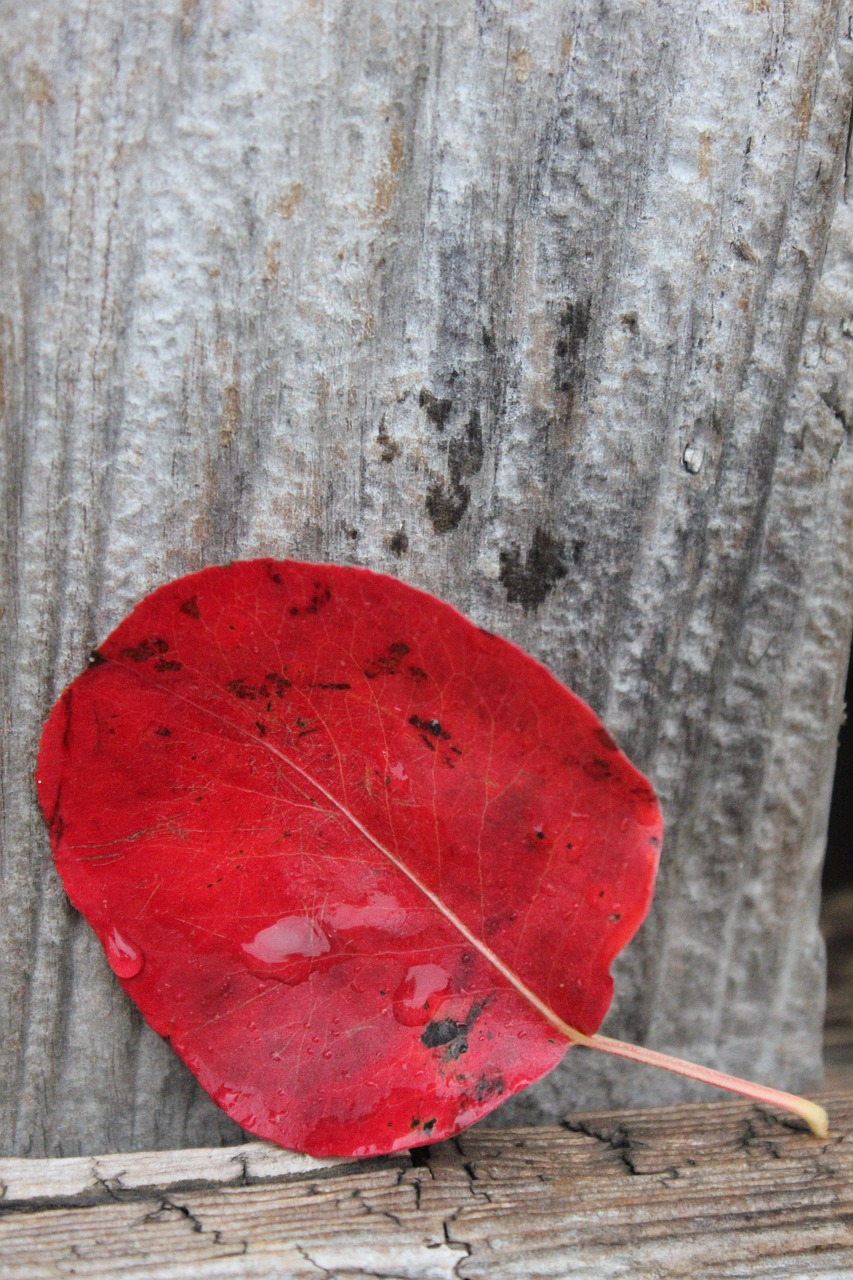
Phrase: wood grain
(689, 1192)
(535, 306)
(837, 928)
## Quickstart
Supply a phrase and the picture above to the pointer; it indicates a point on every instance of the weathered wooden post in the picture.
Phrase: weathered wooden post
(536, 306)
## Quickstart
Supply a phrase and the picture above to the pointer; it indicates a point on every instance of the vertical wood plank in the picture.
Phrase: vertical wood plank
(531, 305)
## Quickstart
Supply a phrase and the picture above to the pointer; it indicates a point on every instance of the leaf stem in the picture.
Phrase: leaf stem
(813, 1114)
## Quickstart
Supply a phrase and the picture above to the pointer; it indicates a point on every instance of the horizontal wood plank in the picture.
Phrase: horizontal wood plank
(544, 308)
(694, 1190)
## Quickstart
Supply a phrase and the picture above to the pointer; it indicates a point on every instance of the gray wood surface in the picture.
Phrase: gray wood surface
(691, 1192)
(534, 305)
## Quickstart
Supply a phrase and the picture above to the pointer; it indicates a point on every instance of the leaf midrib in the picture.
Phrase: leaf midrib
(549, 1014)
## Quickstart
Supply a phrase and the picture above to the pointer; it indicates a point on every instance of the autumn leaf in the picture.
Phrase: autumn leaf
(364, 864)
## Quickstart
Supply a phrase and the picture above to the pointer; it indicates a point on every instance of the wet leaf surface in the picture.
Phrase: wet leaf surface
(330, 833)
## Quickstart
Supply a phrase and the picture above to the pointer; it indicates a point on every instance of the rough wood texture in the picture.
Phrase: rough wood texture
(837, 927)
(691, 1192)
(517, 301)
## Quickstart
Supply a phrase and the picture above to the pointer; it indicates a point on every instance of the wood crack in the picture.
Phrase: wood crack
(618, 1140)
(102, 1190)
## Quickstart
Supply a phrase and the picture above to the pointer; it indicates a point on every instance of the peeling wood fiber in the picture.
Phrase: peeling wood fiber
(545, 309)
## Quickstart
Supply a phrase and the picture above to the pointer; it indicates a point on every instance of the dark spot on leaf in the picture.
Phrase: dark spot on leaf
(452, 1033)
(441, 1032)
(333, 686)
(163, 665)
(429, 1125)
(486, 1088)
(474, 1012)
(399, 543)
(164, 733)
(389, 663)
(318, 600)
(438, 411)
(56, 820)
(605, 739)
(427, 743)
(96, 658)
(456, 1049)
(294, 610)
(242, 689)
(544, 564)
(145, 649)
(322, 595)
(261, 727)
(540, 834)
(429, 726)
(190, 607)
(598, 769)
(278, 681)
(616, 915)
(457, 750)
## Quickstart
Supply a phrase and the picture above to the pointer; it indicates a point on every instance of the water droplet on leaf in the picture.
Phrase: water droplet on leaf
(125, 959)
(420, 993)
(286, 950)
(380, 911)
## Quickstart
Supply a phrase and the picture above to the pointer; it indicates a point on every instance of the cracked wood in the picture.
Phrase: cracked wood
(689, 1192)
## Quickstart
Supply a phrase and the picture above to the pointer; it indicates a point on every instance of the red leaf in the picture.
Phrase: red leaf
(346, 850)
